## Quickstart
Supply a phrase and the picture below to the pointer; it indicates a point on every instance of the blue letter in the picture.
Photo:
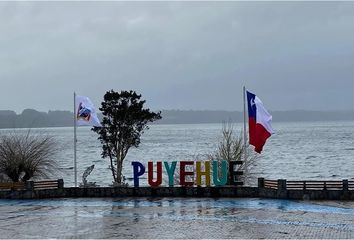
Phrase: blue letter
(138, 170)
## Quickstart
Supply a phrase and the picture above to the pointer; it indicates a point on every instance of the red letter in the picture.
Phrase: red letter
(183, 173)
(151, 174)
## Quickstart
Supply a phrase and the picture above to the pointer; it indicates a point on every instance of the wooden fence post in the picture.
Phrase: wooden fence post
(282, 184)
(260, 182)
(29, 185)
(60, 183)
(282, 192)
(345, 185)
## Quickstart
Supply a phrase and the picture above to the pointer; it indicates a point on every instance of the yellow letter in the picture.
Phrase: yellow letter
(206, 173)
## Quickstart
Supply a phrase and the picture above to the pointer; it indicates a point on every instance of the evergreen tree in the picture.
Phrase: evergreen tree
(124, 121)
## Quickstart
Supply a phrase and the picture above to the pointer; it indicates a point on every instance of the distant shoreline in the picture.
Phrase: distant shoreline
(31, 118)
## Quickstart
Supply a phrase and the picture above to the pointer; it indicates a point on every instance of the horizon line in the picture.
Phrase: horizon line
(192, 110)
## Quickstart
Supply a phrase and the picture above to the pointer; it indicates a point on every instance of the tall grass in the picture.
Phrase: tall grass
(25, 156)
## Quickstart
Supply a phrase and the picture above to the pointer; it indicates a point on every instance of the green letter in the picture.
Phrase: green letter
(223, 180)
(170, 172)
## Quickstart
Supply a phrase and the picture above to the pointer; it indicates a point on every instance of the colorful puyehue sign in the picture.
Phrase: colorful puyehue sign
(222, 174)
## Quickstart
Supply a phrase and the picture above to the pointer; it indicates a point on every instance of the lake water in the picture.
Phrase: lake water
(298, 150)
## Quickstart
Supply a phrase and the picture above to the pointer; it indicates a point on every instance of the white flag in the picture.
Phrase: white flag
(85, 112)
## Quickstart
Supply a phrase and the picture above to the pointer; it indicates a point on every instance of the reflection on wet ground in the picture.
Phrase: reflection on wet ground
(174, 218)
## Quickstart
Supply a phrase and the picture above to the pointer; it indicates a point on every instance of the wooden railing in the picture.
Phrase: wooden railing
(315, 185)
(351, 185)
(306, 184)
(33, 185)
(12, 186)
(46, 184)
(271, 184)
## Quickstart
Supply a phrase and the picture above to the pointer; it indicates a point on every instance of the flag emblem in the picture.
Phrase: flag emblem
(83, 113)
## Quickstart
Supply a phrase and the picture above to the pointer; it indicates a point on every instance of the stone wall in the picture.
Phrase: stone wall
(195, 192)
(213, 192)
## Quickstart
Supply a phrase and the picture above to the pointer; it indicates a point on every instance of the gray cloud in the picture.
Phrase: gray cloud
(186, 55)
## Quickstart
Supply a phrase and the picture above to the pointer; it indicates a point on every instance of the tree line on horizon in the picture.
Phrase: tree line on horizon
(124, 119)
(30, 118)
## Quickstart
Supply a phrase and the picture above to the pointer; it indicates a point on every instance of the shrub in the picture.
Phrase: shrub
(27, 156)
(231, 148)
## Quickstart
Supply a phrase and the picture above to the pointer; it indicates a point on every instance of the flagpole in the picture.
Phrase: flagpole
(75, 141)
(244, 130)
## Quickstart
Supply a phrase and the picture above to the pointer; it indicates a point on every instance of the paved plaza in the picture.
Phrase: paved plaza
(175, 218)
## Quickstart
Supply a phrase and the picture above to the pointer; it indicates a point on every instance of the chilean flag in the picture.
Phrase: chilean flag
(259, 122)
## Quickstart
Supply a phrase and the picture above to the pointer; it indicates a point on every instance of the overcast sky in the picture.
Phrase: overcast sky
(178, 55)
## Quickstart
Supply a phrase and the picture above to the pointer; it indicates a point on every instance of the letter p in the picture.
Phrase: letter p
(138, 170)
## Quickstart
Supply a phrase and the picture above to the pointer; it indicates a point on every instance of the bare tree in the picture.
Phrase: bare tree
(231, 148)
(27, 156)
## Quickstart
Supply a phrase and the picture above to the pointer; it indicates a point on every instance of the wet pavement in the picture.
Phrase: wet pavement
(175, 218)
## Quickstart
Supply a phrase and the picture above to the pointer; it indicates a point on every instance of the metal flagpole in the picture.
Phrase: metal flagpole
(75, 140)
(244, 130)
